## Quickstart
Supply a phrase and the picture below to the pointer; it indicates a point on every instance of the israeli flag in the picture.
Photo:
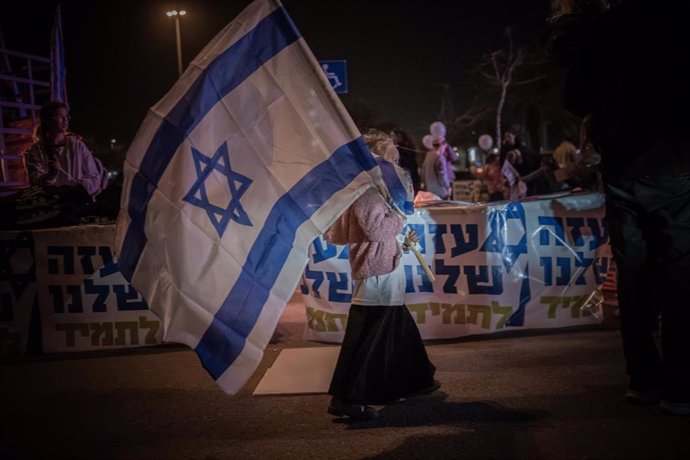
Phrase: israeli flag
(231, 176)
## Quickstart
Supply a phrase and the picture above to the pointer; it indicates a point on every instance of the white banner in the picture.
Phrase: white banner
(61, 290)
(535, 264)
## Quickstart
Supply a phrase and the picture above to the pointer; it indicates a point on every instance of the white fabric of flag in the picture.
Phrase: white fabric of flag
(231, 176)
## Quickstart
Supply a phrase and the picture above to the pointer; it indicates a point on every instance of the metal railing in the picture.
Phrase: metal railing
(22, 92)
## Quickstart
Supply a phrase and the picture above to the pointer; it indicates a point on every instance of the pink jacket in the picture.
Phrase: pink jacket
(369, 226)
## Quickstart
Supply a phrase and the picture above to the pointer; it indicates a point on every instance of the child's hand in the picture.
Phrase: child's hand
(411, 239)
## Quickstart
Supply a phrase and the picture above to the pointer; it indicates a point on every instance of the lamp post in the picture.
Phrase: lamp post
(176, 14)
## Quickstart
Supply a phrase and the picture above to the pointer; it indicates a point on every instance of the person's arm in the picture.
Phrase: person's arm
(38, 169)
(378, 221)
(533, 175)
(90, 174)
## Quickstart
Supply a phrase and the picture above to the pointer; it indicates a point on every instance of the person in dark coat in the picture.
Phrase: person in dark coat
(621, 69)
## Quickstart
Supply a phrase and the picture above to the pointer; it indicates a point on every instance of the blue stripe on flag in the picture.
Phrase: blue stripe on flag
(397, 189)
(271, 35)
(220, 345)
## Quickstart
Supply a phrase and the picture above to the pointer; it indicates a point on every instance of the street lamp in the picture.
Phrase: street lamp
(176, 14)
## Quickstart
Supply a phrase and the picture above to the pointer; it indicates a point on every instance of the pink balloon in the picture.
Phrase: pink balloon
(485, 141)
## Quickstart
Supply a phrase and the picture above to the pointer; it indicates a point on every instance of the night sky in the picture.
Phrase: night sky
(121, 58)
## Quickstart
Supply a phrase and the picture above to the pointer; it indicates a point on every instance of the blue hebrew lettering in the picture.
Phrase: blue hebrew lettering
(547, 263)
(601, 268)
(439, 231)
(453, 272)
(564, 264)
(86, 263)
(124, 293)
(323, 250)
(73, 291)
(101, 292)
(462, 246)
(600, 233)
(108, 269)
(495, 241)
(109, 265)
(518, 317)
(474, 278)
(338, 282)
(584, 263)
(318, 277)
(431, 229)
(345, 253)
(409, 281)
(67, 256)
(544, 232)
(575, 224)
(410, 285)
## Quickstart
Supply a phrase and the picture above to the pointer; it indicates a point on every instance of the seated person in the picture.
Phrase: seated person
(60, 159)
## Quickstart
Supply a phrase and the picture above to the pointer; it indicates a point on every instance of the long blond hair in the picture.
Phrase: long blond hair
(382, 144)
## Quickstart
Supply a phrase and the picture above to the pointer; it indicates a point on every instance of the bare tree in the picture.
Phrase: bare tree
(501, 69)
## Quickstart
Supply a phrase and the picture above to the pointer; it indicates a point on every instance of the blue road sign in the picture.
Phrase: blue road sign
(336, 72)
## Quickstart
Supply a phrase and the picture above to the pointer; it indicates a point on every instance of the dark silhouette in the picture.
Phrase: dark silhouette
(620, 72)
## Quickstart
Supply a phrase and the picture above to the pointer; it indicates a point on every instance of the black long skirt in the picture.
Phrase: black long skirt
(382, 358)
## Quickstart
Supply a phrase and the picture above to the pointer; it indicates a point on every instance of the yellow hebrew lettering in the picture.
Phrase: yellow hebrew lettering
(552, 302)
(152, 326)
(420, 310)
(504, 311)
(454, 314)
(475, 310)
(331, 321)
(101, 329)
(122, 327)
(315, 320)
(70, 329)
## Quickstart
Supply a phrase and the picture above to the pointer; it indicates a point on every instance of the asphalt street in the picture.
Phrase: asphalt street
(555, 394)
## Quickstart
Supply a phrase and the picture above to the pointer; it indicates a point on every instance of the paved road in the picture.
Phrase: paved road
(556, 395)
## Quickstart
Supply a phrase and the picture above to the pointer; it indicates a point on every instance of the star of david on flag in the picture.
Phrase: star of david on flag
(247, 159)
(237, 185)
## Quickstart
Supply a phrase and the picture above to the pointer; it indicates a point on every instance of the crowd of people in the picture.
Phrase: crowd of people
(513, 172)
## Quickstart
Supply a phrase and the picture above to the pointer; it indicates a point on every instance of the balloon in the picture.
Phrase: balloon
(486, 141)
(428, 141)
(438, 129)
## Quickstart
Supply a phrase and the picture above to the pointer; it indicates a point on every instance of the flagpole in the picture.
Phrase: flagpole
(178, 36)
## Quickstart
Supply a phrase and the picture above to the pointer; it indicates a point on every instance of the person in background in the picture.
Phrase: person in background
(435, 175)
(382, 358)
(517, 189)
(495, 181)
(408, 155)
(446, 152)
(507, 144)
(638, 117)
(544, 180)
(530, 162)
(566, 153)
(60, 159)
